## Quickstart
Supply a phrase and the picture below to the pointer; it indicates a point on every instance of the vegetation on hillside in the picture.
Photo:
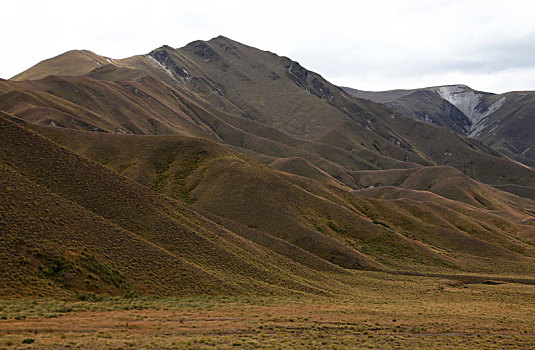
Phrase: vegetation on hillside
(218, 168)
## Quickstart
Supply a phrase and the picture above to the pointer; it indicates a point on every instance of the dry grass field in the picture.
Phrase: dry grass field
(381, 311)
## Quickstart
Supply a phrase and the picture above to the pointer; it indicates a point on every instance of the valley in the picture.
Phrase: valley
(221, 196)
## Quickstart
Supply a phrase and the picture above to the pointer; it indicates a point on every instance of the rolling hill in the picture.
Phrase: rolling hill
(352, 229)
(69, 223)
(223, 169)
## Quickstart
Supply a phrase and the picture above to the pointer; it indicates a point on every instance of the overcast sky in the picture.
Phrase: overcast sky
(370, 45)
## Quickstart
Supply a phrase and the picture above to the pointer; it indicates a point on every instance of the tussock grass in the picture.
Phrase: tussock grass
(383, 311)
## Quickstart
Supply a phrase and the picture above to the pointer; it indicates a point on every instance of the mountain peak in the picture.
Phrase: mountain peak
(221, 37)
(72, 62)
(460, 86)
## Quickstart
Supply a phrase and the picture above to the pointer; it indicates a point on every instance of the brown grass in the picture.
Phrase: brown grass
(436, 217)
(380, 312)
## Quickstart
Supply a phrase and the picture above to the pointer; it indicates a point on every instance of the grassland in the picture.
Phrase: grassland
(380, 311)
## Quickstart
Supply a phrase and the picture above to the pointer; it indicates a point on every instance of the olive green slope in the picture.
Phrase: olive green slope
(71, 224)
(376, 228)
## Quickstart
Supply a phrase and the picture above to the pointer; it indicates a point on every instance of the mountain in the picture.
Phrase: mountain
(251, 99)
(247, 172)
(500, 121)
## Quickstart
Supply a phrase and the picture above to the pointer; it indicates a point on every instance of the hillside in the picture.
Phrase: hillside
(243, 172)
(500, 121)
(331, 221)
(71, 224)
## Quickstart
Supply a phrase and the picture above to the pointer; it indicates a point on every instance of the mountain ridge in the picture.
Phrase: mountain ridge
(492, 118)
(230, 146)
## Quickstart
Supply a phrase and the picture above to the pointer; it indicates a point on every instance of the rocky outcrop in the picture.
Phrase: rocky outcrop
(162, 56)
(204, 51)
(308, 81)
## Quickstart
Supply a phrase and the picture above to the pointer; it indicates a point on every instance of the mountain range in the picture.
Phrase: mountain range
(500, 121)
(219, 168)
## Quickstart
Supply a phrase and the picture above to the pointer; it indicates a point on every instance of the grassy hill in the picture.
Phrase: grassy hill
(404, 227)
(71, 224)
(74, 62)
(241, 172)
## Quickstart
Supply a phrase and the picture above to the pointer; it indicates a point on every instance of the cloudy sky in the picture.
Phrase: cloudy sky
(370, 45)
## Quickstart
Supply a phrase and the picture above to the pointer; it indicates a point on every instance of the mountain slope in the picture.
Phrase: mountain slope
(328, 220)
(266, 105)
(510, 129)
(61, 209)
(247, 168)
(423, 104)
(501, 121)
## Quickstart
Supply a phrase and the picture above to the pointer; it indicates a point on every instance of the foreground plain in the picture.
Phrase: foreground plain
(382, 311)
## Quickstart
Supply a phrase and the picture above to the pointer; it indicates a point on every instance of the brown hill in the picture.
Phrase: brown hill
(74, 62)
(69, 223)
(249, 173)
(329, 220)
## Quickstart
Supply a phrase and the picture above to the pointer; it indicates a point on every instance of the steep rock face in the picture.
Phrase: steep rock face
(162, 56)
(427, 106)
(204, 51)
(464, 98)
(178, 70)
(304, 79)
